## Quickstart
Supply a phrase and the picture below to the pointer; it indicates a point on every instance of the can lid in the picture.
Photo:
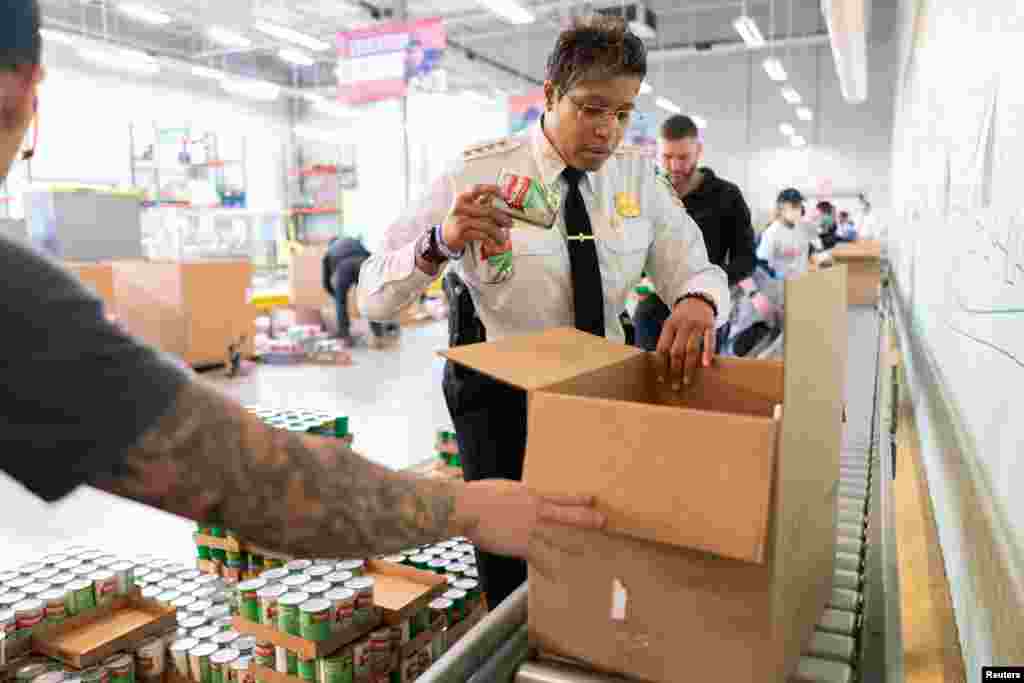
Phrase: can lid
(203, 650)
(45, 574)
(31, 567)
(225, 637)
(349, 565)
(189, 587)
(36, 588)
(275, 590)
(171, 596)
(340, 594)
(85, 569)
(205, 632)
(190, 575)
(360, 583)
(320, 570)
(471, 573)
(452, 578)
(451, 555)
(274, 575)
(184, 644)
(207, 579)
(241, 664)
(339, 577)
(317, 587)
(465, 548)
(441, 604)
(434, 552)
(467, 585)
(121, 566)
(183, 601)
(193, 622)
(421, 558)
(455, 595)
(298, 565)
(437, 563)
(19, 582)
(12, 597)
(293, 599)
(51, 595)
(397, 559)
(317, 605)
(297, 580)
(166, 584)
(200, 606)
(29, 605)
(222, 622)
(252, 585)
(62, 579)
(6, 615)
(458, 567)
(245, 643)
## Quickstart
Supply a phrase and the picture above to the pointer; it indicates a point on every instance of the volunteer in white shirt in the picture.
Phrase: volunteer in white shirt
(786, 243)
(613, 219)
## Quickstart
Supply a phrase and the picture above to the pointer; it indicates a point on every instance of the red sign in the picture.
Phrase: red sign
(378, 62)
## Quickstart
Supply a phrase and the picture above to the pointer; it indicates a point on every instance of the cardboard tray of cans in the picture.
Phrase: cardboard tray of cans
(308, 649)
(402, 591)
(89, 638)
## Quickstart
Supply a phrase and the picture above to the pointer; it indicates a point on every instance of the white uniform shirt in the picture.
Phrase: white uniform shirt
(662, 239)
(786, 249)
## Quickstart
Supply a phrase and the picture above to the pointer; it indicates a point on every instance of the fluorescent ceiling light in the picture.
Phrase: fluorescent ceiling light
(645, 88)
(748, 30)
(290, 36)
(787, 129)
(207, 72)
(51, 36)
(699, 121)
(509, 10)
(773, 67)
(296, 57)
(668, 105)
(222, 36)
(317, 135)
(143, 13)
(791, 95)
(253, 89)
(798, 141)
(124, 60)
(805, 113)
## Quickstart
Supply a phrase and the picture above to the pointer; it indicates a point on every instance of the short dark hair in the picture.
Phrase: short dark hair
(596, 47)
(20, 42)
(679, 127)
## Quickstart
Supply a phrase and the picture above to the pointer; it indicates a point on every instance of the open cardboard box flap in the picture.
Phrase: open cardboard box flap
(594, 403)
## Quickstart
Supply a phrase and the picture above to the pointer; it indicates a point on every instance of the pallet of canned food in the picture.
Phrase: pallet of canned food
(305, 421)
(446, 464)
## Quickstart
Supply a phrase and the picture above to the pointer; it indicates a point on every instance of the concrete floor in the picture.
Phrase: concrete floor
(394, 401)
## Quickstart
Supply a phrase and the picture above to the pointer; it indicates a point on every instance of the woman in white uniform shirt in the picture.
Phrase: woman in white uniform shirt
(615, 219)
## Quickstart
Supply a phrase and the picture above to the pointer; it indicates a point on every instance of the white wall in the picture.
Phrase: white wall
(85, 114)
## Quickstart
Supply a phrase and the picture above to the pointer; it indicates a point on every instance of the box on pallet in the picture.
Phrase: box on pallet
(721, 500)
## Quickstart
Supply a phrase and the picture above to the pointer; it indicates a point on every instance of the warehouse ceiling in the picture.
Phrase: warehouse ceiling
(485, 53)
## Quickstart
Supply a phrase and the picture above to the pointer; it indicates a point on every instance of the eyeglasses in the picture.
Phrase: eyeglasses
(594, 114)
(28, 152)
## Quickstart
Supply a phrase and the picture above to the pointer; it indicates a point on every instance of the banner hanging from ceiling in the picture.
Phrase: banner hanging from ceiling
(379, 62)
(523, 110)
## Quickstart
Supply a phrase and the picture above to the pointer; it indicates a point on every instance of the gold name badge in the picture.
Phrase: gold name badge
(627, 205)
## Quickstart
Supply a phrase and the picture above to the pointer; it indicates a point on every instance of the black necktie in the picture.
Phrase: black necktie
(587, 291)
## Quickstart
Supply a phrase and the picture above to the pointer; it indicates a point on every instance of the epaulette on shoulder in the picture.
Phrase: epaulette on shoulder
(488, 149)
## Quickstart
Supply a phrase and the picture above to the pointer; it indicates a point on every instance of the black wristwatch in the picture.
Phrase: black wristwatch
(706, 298)
(428, 249)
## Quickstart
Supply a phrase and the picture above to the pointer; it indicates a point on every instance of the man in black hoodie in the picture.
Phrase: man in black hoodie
(715, 204)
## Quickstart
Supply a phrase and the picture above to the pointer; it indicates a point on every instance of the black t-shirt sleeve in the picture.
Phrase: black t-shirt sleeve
(741, 247)
(75, 390)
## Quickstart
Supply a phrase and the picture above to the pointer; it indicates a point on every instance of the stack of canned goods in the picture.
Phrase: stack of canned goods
(305, 421)
(233, 565)
(448, 448)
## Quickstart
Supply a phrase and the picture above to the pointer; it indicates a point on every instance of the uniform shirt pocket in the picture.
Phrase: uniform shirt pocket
(535, 242)
(625, 253)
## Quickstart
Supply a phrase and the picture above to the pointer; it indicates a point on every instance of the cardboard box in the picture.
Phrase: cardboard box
(721, 505)
(99, 277)
(307, 279)
(863, 260)
(193, 309)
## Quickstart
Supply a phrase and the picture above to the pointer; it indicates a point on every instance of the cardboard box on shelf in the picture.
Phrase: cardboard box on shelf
(721, 499)
(863, 260)
(193, 309)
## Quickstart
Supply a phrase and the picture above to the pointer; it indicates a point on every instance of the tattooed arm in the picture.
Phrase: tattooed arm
(209, 459)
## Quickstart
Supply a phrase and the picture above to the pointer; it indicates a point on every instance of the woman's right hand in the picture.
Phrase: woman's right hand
(473, 219)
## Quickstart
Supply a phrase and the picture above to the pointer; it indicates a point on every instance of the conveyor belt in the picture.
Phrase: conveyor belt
(835, 653)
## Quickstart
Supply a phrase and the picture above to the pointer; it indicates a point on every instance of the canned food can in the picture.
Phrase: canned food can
(246, 645)
(179, 654)
(53, 560)
(458, 599)
(190, 575)
(150, 659)
(268, 597)
(171, 584)
(315, 619)
(121, 669)
(28, 613)
(265, 655)
(209, 580)
(8, 622)
(204, 592)
(205, 634)
(96, 674)
(85, 569)
(473, 593)
(225, 639)
(124, 574)
(183, 603)
(420, 561)
(298, 566)
(337, 579)
(465, 548)
(240, 671)
(357, 567)
(167, 598)
(307, 669)
(274, 575)
(296, 582)
(220, 665)
(320, 571)
(419, 622)
(155, 576)
(9, 600)
(288, 612)
(217, 612)
(451, 556)
(471, 573)
(458, 568)
(361, 659)
(199, 607)
(221, 597)
(148, 593)
(199, 662)
(316, 589)
(218, 556)
(34, 590)
(62, 580)
(55, 605)
(438, 566)
(343, 607)
(287, 661)
(248, 600)
(364, 609)
(193, 622)
(29, 672)
(337, 667)
(380, 649)
(105, 586)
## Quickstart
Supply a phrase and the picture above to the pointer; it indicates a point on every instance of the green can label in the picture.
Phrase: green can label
(307, 669)
(315, 620)
(337, 668)
(293, 663)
